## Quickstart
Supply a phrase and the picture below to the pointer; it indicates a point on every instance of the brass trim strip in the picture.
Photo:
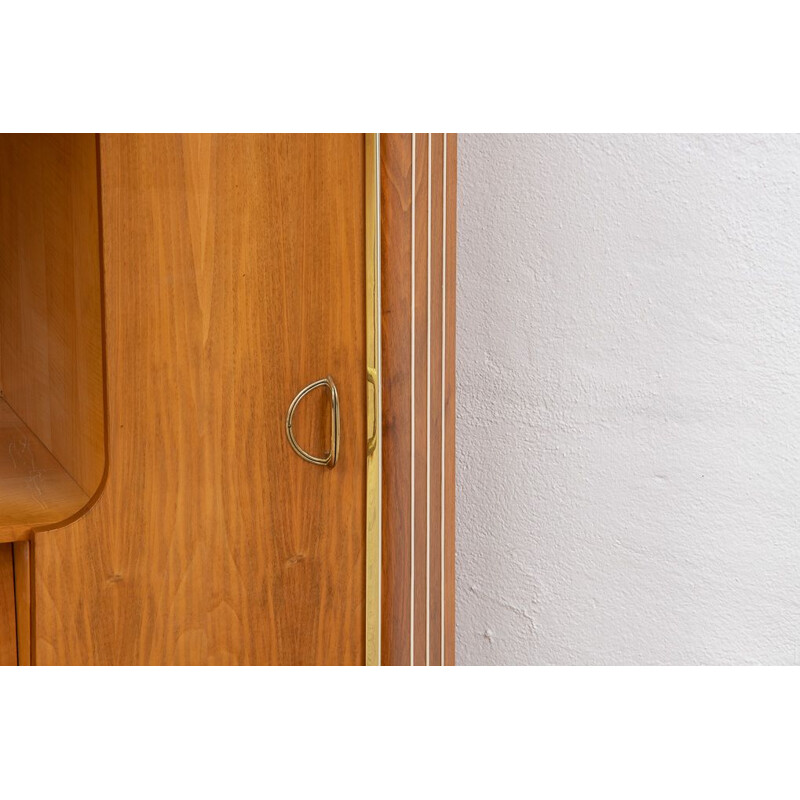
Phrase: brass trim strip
(428, 437)
(373, 387)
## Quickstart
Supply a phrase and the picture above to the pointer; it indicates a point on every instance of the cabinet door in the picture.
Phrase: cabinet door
(233, 277)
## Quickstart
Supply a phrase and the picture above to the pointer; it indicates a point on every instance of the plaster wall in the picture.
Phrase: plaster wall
(628, 399)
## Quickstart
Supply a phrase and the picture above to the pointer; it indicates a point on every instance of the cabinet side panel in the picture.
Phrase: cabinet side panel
(396, 214)
(418, 317)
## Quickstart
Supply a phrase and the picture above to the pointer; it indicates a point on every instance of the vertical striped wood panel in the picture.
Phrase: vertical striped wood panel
(418, 200)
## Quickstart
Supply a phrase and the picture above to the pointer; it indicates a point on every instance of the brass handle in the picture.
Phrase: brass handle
(329, 459)
(372, 410)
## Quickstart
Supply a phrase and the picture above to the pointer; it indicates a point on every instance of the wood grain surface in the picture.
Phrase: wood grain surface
(35, 490)
(50, 316)
(8, 624)
(418, 340)
(234, 276)
(22, 594)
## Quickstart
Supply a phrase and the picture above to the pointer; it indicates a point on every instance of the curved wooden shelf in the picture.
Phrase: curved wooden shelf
(35, 490)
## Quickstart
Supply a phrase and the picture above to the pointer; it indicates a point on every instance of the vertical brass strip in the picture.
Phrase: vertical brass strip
(428, 436)
(373, 387)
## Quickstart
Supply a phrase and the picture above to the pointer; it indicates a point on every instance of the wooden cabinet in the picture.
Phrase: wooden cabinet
(164, 298)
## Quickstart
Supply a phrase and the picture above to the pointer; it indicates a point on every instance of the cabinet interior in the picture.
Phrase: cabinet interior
(52, 427)
(51, 372)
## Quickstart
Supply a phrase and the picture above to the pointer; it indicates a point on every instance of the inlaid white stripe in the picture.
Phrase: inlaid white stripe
(444, 353)
(428, 434)
(413, 365)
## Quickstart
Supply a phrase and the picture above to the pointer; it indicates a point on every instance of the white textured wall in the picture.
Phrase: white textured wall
(628, 400)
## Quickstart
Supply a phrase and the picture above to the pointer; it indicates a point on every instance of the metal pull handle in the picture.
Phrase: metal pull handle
(372, 410)
(329, 459)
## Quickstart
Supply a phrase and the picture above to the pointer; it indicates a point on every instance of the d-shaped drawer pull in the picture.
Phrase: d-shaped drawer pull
(329, 459)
